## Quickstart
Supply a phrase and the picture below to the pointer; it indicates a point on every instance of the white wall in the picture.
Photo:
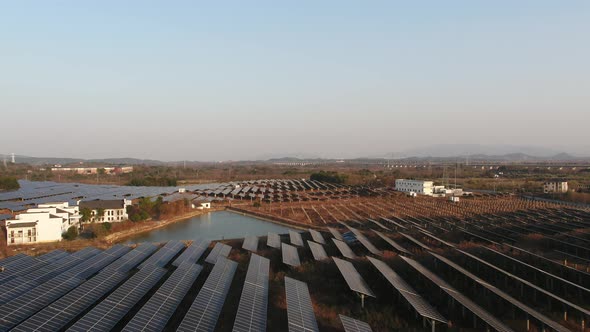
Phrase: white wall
(417, 186)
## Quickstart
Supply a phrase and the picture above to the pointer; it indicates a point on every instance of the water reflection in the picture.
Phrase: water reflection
(211, 226)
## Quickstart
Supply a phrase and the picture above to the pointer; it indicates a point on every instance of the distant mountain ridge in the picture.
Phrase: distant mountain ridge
(67, 161)
(507, 157)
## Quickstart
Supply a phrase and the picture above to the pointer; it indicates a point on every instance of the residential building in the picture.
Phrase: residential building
(45, 223)
(555, 187)
(113, 210)
(415, 186)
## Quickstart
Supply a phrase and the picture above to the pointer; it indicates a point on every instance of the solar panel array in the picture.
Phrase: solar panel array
(300, 315)
(58, 314)
(394, 244)
(422, 307)
(219, 250)
(111, 310)
(193, 253)
(24, 306)
(317, 236)
(379, 224)
(250, 243)
(344, 249)
(98, 262)
(164, 254)
(131, 259)
(317, 250)
(295, 238)
(203, 313)
(353, 325)
(273, 240)
(290, 255)
(352, 277)
(13, 288)
(252, 311)
(37, 192)
(365, 242)
(534, 313)
(336, 234)
(464, 300)
(154, 315)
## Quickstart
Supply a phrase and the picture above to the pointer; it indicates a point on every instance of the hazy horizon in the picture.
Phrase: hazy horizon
(336, 79)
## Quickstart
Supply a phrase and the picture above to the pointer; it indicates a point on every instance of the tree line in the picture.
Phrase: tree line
(8, 183)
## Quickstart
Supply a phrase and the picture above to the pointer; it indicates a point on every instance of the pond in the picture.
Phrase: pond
(211, 226)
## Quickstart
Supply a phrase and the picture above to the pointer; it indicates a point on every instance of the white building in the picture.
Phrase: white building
(45, 223)
(113, 210)
(415, 186)
(555, 187)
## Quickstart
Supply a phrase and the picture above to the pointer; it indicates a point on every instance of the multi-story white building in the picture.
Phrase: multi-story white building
(415, 186)
(555, 187)
(45, 223)
(113, 210)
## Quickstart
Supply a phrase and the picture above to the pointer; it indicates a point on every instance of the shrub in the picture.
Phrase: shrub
(70, 234)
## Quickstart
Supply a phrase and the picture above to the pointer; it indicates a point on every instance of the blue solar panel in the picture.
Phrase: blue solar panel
(57, 315)
(252, 311)
(154, 315)
(131, 259)
(29, 303)
(192, 253)
(164, 254)
(111, 310)
(203, 313)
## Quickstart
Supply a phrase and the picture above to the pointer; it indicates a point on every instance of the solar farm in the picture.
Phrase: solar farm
(513, 265)
(361, 260)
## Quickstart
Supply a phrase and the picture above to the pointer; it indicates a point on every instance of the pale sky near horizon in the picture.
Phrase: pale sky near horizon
(191, 80)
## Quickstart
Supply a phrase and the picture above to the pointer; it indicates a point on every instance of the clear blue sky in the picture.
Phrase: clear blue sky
(222, 80)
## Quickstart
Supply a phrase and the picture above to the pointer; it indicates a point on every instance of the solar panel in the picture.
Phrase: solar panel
(352, 277)
(365, 242)
(273, 240)
(131, 259)
(394, 244)
(317, 236)
(98, 262)
(300, 315)
(295, 238)
(336, 234)
(290, 255)
(411, 238)
(542, 318)
(219, 250)
(251, 315)
(528, 283)
(6, 261)
(317, 250)
(154, 315)
(164, 254)
(58, 314)
(24, 306)
(111, 310)
(379, 224)
(250, 243)
(203, 313)
(192, 253)
(422, 307)
(53, 256)
(465, 301)
(344, 249)
(353, 325)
